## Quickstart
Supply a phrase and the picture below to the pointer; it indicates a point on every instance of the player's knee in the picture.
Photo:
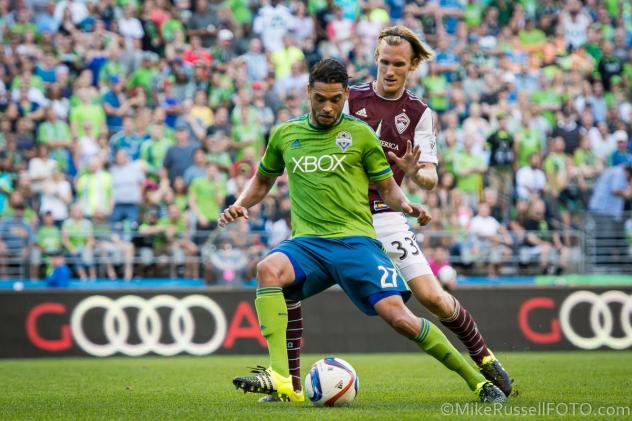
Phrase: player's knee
(437, 303)
(268, 274)
(404, 324)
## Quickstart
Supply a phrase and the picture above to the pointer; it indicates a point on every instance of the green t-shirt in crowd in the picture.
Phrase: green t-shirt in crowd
(329, 170)
(470, 183)
(437, 87)
(530, 142)
(169, 29)
(90, 112)
(473, 14)
(547, 97)
(179, 225)
(53, 131)
(153, 152)
(48, 238)
(142, 77)
(78, 231)
(533, 37)
(206, 193)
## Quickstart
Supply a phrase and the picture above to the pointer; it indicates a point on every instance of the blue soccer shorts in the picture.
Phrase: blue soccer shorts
(358, 264)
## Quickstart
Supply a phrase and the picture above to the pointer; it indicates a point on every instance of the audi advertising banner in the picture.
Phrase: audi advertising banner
(205, 321)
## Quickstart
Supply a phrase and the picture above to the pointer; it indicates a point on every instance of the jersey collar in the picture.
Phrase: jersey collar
(381, 97)
(309, 121)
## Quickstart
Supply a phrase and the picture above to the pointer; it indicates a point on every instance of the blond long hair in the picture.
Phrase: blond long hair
(396, 34)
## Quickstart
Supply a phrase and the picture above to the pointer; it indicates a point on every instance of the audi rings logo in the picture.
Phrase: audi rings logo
(116, 325)
(600, 328)
(601, 319)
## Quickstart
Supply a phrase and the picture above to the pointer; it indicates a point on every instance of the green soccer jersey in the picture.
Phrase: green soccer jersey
(329, 172)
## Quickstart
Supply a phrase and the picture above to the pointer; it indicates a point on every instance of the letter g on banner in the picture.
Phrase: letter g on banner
(116, 325)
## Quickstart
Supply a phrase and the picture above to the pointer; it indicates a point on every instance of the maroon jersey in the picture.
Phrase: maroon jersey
(395, 122)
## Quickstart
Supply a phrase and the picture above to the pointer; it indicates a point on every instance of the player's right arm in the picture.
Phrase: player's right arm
(270, 167)
(257, 189)
(381, 175)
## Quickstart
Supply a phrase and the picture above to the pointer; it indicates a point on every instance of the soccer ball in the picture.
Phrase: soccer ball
(447, 274)
(331, 382)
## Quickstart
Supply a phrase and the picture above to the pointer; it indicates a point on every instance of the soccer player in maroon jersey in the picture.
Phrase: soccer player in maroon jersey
(404, 125)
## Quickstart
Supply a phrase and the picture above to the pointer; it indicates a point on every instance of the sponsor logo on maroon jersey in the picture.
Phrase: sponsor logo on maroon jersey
(389, 145)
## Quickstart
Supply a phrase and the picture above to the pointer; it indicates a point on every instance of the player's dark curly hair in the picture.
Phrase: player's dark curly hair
(329, 71)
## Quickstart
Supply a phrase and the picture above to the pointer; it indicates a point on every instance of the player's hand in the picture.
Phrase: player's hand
(409, 162)
(231, 213)
(418, 211)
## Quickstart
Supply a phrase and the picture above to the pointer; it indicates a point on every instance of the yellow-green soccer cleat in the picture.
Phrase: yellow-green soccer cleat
(269, 382)
(489, 393)
(493, 371)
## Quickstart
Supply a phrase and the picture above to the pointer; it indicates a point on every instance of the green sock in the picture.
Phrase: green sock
(272, 313)
(435, 343)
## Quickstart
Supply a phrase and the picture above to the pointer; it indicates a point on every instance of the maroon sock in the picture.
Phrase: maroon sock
(464, 327)
(294, 338)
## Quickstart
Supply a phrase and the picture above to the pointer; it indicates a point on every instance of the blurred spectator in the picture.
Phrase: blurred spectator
(256, 62)
(469, 169)
(198, 169)
(56, 196)
(16, 237)
(130, 138)
(78, 240)
(531, 180)
(206, 196)
(111, 249)
(180, 155)
(115, 104)
(606, 209)
(543, 243)
(182, 247)
(60, 274)
(440, 260)
(272, 23)
(204, 22)
(127, 184)
(491, 242)
(502, 162)
(94, 188)
(620, 155)
(41, 168)
(48, 242)
(86, 110)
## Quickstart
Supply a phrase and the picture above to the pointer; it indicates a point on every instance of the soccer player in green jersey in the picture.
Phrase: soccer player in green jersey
(331, 158)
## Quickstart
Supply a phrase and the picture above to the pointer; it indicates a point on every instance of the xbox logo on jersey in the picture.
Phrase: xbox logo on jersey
(324, 163)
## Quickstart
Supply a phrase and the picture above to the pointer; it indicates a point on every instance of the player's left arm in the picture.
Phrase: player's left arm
(381, 174)
(395, 198)
(419, 162)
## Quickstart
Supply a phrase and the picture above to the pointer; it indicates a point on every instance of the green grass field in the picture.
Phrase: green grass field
(392, 386)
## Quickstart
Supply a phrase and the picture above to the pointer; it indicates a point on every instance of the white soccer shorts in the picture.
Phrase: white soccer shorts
(400, 244)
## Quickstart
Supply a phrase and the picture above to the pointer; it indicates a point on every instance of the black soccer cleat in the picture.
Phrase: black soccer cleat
(489, 393)
(261, 382)
(269, 382)
(493, 371)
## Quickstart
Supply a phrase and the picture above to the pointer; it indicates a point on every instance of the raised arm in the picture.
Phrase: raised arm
(257, 189)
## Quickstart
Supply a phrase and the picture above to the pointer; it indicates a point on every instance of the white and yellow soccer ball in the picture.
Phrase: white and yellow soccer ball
(331, 382)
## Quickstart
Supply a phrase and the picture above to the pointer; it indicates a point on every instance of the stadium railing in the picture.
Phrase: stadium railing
(228, 257)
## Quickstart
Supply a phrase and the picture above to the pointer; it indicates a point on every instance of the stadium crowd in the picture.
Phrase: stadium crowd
(126, 126)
